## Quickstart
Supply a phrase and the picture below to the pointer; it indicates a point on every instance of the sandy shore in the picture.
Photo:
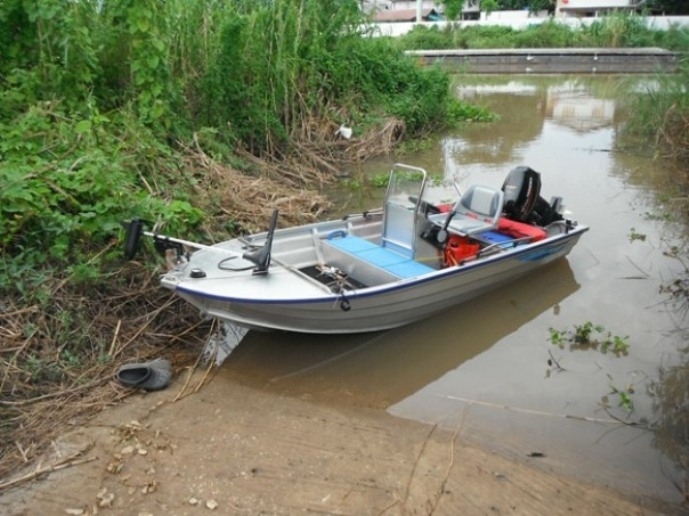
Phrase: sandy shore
(230, 449)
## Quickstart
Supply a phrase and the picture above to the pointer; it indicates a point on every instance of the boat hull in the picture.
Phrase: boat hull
(373, 308)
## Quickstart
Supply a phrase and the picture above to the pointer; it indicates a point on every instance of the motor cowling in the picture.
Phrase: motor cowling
(522, 188)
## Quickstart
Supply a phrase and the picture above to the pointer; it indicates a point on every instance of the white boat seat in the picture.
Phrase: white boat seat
(478, 210)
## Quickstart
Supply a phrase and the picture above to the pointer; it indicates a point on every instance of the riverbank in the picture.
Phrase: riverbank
(238, 450)
(552, 60)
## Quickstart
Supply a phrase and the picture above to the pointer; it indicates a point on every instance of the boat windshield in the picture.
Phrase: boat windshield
(405, 190)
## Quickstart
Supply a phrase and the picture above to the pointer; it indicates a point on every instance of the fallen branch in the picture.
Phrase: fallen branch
(49, 395)
(114, 337)
(66, 463)
(627, 423)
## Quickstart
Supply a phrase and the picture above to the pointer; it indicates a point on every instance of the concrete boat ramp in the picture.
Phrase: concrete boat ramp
(553, 60)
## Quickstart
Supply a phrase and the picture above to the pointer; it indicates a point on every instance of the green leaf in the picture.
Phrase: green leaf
(82, 127)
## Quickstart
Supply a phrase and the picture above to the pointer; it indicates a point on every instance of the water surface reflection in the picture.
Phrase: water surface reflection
(379, 369)
(485, 364)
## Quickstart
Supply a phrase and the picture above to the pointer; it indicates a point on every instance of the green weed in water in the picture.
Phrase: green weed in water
(624, 396)
(636, 236)
(589, 336)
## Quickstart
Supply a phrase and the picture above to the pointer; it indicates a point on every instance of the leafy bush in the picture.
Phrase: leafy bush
(492, 36)
(619, 30)
(547, 35)
(68, 181)
(281, 63)
(423, 37)
(386, 82)
(97, 96)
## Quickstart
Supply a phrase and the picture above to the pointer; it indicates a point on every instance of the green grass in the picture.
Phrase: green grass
(617, 30)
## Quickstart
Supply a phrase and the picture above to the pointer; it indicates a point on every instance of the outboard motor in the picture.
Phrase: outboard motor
(521, 188)
(523, 202)
(544, 213)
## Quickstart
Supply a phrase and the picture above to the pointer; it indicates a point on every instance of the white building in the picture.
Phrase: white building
(472, 8)
(374, 6)
(591, 8)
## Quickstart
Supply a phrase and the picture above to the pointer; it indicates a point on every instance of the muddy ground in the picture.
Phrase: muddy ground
(232, 449)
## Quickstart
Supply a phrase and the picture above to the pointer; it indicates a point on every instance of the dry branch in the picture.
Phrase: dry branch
(66, 463)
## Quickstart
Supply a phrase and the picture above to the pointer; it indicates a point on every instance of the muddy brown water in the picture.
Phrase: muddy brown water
(484, 365)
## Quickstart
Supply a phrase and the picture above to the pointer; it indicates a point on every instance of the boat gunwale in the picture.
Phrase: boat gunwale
(377, 290)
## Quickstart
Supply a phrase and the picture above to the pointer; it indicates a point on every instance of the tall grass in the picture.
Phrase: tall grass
(276, 66)
(616, 30)
(659, 119)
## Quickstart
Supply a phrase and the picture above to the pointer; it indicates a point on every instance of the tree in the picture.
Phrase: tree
(668, 6)
(488, 6)
(453, 8)
(531, 5)
(541, 5)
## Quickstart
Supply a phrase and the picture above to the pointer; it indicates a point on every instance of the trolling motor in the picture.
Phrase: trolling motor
(261, 256)
(134, 229)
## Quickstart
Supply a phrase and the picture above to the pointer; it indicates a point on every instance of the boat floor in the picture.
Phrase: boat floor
(331, 278)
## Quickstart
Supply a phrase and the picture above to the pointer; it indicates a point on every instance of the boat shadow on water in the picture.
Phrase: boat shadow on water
(380, 368)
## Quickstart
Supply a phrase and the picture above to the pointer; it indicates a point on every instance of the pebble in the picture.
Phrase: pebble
(107, 500)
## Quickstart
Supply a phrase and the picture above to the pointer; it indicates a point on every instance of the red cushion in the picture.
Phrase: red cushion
(520, 229)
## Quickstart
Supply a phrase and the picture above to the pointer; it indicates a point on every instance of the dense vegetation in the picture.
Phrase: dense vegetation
(659, 120)
(99, 100)
(200, 115)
